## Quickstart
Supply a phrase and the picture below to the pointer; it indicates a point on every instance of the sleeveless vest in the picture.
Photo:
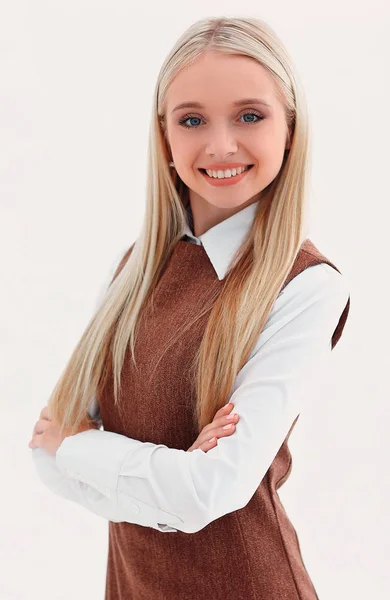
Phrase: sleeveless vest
(250, 554)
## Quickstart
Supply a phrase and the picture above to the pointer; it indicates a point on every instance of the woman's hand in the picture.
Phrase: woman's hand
(46, 433)
(204, 441)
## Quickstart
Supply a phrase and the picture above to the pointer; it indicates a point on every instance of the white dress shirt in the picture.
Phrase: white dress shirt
(169, 489)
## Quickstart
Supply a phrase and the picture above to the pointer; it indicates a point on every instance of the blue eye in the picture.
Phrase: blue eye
(188, 117)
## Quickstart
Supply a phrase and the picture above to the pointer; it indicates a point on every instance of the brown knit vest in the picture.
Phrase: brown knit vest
(252, 553)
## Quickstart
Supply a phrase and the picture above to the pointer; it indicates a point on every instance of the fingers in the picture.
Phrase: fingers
(217, 434)
(220, 420)
(45, 414)
(221, 427)
(217, 421)
(40, 426)
(206, 446)
(37, 435)
(225, 410)
(208, 437)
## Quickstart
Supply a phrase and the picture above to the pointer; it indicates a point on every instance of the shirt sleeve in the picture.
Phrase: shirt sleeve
(173, 490)
(80, 492)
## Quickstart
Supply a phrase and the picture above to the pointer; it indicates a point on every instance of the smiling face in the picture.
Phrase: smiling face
(221, 133)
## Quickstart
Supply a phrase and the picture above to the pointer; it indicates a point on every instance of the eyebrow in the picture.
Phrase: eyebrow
(237, 103)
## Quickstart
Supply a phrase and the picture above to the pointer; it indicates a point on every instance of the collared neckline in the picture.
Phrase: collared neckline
(222, 241)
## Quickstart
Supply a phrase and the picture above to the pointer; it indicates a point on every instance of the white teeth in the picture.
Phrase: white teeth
(227, 173)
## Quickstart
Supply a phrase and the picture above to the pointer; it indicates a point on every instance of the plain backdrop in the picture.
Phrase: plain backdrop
(76, 83)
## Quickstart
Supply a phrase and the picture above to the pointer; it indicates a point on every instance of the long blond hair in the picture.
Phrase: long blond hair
(256, 274)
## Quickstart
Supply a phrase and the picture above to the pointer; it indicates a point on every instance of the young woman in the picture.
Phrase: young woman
(222, 297)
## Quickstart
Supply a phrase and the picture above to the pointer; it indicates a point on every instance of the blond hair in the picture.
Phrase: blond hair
(238, 309)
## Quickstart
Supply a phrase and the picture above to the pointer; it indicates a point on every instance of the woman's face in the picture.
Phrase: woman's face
(220, 132)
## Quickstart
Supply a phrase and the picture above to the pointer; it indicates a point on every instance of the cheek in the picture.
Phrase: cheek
(269, 151)
(187, 152)
(184, 159)
(180, 141)
(268, 166)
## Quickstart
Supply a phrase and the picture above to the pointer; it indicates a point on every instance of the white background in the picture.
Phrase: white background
(76, 82)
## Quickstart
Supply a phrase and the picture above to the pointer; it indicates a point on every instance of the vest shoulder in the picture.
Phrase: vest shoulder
(313, 271)
(318, 277)
(308, 256)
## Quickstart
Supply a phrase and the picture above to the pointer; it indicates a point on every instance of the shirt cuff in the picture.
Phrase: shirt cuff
(84, 456)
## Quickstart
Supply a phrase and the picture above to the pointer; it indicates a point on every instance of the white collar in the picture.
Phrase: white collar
(222, 241)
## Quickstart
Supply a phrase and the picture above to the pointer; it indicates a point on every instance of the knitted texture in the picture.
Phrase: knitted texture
(250, 554)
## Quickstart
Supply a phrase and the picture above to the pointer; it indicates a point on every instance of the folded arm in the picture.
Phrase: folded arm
(170, 489)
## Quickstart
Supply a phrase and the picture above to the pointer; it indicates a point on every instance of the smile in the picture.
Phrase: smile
(222, 181)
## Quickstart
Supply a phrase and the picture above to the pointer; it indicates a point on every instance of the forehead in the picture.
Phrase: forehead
(219, 80)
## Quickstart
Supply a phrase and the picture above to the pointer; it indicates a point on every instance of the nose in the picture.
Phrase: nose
(222, 143)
